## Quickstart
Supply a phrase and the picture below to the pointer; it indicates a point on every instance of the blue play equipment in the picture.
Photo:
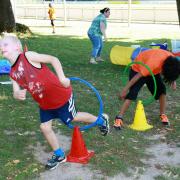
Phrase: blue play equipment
(137, 51)
(5, 66)
(86, 127)
(163, 46)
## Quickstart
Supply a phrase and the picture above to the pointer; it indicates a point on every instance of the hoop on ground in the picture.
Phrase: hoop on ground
(86, 127)
(148, 100)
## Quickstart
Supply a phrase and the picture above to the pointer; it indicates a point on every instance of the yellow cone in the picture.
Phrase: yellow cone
(140, 122)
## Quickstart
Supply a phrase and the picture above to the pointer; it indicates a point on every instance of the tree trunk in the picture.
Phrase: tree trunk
(7, 21)
(178, 9)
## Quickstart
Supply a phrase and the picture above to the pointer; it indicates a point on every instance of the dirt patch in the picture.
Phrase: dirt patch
(161, 155)
(65, 171)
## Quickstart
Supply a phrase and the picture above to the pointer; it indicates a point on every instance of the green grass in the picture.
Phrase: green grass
(170, 173)
(19, 124)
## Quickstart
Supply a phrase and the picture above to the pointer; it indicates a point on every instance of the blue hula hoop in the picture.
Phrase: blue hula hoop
(86, 127)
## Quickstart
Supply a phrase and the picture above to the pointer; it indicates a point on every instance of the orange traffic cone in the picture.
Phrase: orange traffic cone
(79, 153)
(25, 48)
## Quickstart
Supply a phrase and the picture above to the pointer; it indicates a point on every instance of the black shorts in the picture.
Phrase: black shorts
(52, 22)
(148, 80)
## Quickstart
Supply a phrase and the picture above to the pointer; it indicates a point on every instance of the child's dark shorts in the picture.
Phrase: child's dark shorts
(148, 80)
(52, 22)
(65, 113)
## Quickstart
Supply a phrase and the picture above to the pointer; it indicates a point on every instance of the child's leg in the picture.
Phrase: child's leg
(88, 118)
(162, 103)
(124, 107)
(59, 155)
(160, 95)
(103, 121)
(49, 134)
(53, 26)
(84, 117)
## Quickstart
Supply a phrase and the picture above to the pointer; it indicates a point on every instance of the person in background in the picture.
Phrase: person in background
(161, 62)
(52, 16)
(95, 33)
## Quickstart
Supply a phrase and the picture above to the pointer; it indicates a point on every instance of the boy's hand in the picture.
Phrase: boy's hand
(20, 94)
(65, 82)
(173, 85)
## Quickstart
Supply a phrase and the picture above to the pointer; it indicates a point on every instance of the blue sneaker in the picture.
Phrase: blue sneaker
(54, 162)
(105, 127)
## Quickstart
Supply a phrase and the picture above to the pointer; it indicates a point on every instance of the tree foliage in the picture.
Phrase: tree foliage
(178, 9)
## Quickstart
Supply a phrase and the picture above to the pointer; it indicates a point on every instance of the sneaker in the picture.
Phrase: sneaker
(54, 162)
(105, 127)
(118, 123)
(93, 61)
(99, 59)
(164, 119)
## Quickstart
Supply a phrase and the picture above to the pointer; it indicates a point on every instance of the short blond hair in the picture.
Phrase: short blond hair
(14, 39)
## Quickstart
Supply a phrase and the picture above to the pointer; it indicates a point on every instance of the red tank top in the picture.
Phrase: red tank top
(43, 84)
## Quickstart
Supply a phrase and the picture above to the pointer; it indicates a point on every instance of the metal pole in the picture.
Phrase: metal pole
(129, 12)
(65, 12)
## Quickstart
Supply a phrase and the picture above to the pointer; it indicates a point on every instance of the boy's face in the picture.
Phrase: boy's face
(8, 47)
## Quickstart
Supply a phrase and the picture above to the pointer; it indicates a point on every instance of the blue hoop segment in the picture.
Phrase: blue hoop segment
(86, 127)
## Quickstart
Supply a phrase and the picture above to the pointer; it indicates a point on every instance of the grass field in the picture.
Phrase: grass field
(19, 121)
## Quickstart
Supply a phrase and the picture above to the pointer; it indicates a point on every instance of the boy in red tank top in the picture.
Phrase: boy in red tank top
(53, 93)
(160, 62)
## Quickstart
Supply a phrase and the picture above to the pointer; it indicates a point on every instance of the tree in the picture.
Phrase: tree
(178, 9)
(7, 21)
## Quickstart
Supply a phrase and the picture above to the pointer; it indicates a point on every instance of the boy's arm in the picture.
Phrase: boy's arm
(130, 84)
(44, 58)
(18, 93)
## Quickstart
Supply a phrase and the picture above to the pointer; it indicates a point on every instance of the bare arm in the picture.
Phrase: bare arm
(103, 30)
(43, 58)
(173, 85)
(18, 93)
(130, 84)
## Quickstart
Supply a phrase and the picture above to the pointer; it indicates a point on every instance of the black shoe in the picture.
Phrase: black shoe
(105, 127)
(54, 162)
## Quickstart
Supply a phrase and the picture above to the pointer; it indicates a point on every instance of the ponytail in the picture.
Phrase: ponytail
(104, 10)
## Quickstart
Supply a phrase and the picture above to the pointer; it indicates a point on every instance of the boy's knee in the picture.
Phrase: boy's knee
(157, 97)
(132, 95)
(45, 127)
